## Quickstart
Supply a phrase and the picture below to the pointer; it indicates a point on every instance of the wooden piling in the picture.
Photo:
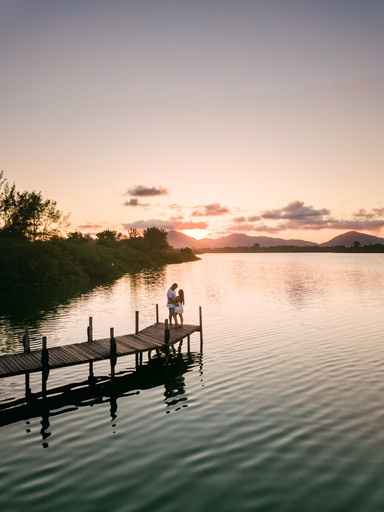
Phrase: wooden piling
(136, 322)
(45, 366)
(136, 359)
(189, 344)
(157, 313)
(167, 334)
(113, 356)
(201, 328)
(91, 375)
(27, 349)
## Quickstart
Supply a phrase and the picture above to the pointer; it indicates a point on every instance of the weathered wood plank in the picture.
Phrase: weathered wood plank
(149, 338)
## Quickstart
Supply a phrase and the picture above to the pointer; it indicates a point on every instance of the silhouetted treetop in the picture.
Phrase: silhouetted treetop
(27, 214)
(155, 238)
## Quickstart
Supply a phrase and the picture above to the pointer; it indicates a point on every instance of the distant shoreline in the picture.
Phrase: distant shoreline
(292, 249)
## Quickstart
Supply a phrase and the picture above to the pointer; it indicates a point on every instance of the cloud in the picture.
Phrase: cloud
(251, 218)
(249, 227)
(208, 210)
(295, 210)
(142, 191)
(169, 224)
(374, 213)
(331, 223)
(297, 215)
(134, 202)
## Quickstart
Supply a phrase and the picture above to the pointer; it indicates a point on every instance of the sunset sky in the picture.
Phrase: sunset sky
(256, 116)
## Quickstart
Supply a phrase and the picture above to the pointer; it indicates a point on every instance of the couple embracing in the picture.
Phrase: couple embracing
(175, 303)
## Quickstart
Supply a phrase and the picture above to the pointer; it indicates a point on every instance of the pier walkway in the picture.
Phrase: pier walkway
(150, 338)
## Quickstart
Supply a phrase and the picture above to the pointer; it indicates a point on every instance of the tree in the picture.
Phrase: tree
(108, 236)
(78, 235)
(356, 244)
(27, 214)
(156, 238)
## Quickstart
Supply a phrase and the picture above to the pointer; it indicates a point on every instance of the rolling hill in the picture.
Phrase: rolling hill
(348, 239)
(179, 240)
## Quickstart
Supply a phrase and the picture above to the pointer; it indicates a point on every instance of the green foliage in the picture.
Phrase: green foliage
(76, 262)
(26, 214)
(155, 238)
(78, 235)
(108, 236)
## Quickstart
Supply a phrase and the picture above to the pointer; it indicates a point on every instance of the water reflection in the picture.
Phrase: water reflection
(156, 373)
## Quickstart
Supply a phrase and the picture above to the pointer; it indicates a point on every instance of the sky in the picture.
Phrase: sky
(208, 116)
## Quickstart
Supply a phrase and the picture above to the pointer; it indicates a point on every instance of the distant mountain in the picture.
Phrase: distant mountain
(349, 238)
(179, 240)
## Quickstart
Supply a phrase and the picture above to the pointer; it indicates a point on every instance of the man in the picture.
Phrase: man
(171, 302)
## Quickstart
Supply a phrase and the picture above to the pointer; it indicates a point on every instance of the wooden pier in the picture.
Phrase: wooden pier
(159, 338)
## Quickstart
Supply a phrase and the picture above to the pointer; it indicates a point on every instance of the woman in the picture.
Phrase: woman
(179, 308)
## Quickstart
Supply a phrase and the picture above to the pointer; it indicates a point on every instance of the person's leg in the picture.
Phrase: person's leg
(170, 315)
(181, 319)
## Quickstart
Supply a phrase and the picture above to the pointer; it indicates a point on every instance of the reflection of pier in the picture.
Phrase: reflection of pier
(105, 390)
(158, 338)
(157, 372)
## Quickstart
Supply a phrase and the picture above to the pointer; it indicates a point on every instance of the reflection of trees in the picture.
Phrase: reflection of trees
(28, 310)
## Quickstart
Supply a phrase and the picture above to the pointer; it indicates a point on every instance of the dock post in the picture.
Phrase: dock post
(141, 358)
(189, 344)
(136, 322)
(91, 375)
(113, 356)
(149, 355)
(27, 349)
(45, 367)
(167, 336)
(136, 360)
(201, 328)
(157, 313)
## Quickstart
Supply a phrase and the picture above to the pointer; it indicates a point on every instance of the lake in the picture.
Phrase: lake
(283, 411)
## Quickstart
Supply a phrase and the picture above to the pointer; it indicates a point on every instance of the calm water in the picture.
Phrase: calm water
(284, 411)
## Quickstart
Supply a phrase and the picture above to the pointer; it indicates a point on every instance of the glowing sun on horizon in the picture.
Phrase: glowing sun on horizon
(196, 233)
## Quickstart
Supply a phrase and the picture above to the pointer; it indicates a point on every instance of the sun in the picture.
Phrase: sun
(196, 233)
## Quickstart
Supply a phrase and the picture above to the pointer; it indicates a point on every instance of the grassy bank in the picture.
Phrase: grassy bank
(59, 264)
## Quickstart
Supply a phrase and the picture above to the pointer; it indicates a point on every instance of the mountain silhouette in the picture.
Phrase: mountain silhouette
(349, 238)
(180, 240)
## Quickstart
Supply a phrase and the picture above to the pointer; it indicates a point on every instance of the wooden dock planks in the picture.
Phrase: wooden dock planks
(149, 338)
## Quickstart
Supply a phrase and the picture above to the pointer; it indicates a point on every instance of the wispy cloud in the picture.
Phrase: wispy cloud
(295, 210)
(167, 224)
(299, 216)
(134, 202)
(369, 214)
(254, 228)
(208, 210)
(143, 191)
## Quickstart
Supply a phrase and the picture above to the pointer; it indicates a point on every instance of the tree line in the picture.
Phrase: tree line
(27, 215)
